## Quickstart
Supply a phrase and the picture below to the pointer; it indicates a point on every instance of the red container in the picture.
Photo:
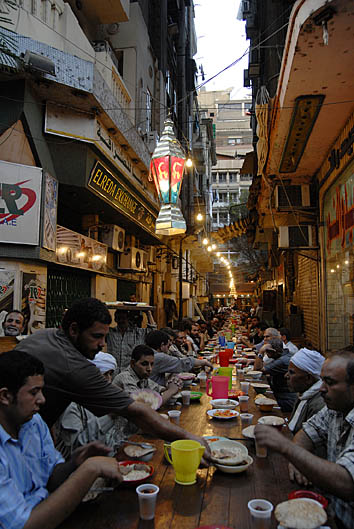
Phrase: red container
(224, 357)
(296, 494)
(230, 352)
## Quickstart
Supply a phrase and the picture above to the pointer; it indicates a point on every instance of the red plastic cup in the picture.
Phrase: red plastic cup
(224, 357)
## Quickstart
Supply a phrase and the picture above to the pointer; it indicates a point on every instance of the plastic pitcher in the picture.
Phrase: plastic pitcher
(230, 345)
(185, 459)
(228, 335)
(226, 372)
(220, 387)
(222, 340)
(224, 357)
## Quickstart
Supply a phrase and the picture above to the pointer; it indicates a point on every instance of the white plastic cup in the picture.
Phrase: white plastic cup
(261, 451)
(147, 495)
(174, 416)
(246, 419)
(245, 387)
(186, 398)
(261, 513)
(243, 400)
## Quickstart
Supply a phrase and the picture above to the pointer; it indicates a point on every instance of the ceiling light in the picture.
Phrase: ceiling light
(199, 217)
(205, 241)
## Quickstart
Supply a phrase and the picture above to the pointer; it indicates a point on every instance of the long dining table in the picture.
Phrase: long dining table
(216, 499)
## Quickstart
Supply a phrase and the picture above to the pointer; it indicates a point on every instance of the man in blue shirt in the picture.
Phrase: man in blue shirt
(37, 489)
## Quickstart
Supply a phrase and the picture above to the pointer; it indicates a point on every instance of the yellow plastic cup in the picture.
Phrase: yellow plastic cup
(185, 459)
(226, 372)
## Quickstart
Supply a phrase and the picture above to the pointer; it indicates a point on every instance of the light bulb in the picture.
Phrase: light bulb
(164, 185)
(209, 248)
(213, 246)
(205, 241)
(199, 217)
(218, 254)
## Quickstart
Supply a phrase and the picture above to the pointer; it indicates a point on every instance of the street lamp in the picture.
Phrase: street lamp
(166, 167)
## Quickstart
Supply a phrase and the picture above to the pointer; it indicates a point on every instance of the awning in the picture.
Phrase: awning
(236, 229)
(250, 164)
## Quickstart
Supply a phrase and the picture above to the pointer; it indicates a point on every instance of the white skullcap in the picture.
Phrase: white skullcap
(105, 362)
(308, 360)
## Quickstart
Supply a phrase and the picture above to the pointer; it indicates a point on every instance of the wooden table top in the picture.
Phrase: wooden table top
(216, 498)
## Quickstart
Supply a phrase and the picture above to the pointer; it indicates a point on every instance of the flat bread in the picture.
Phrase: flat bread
(147, 396)
(265, 401)
(271, 420)
(229, 455)
(134, 472)
(137, 451)
(300, 514)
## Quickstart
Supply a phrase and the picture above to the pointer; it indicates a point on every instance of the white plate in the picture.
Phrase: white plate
(271, 420)
(249, 431)
(237, 469)
(211, 413)
(226, 404)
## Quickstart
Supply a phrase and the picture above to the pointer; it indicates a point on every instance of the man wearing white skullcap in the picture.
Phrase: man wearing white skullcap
(303, 377)
(78, 426)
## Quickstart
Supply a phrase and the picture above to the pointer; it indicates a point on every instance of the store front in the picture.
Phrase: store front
(338, 213)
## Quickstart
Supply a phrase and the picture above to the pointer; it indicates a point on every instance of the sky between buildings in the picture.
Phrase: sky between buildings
(221, 40)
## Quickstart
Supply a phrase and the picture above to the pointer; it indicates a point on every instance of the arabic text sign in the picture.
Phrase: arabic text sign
(107, 185)
(20, 198)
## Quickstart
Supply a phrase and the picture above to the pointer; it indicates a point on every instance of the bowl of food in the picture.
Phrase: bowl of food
(259, 387)
(139, 453)
(222, 414)
(147, 396)
(264, 403)
(196, 396)
(236, 469)
(135, 472)
(301, 513)
(256, 375)
(308, 494)
(226, 404)
(272, 420)
(235, 394)
(227, 452)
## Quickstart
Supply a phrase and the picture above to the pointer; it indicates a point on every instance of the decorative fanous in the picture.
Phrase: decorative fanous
(166, 168)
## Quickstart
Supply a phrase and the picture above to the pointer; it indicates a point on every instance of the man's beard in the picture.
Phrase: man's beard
(12, 331)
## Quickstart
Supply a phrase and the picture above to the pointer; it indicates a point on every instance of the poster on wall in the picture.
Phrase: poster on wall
(7, 286)
(50, 212)
(34, 291)
(20, 203)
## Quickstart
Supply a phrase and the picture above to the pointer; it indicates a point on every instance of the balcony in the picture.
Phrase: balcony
(107, 11)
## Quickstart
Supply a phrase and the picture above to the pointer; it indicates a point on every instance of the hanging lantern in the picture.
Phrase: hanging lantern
(166, 168)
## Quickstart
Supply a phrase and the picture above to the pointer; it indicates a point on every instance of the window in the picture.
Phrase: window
(214, 178)
(148, 110)
(222, 177)
(212, 114)
(234, 197)
(247, 109)
(245, 177)
(223, 218)
(215, 218)
(230, 106)
(223, 197)
(339, 263)
(232, 177)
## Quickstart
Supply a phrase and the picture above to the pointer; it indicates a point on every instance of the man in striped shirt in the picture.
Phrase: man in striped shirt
(37, 489)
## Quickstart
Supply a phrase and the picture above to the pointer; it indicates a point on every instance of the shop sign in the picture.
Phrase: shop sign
(103, 182)
(74, 249)
(341, 153)
(339, 214)
(20, 201)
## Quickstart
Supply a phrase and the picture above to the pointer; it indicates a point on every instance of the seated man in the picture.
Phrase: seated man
(163, 363)
(37, 489)
(173, 349)
(276, 370)
(78, 426)
(13, 323)
(303, 377)
(71, 377)
(332, 426)
(191, 331)
(286, 336)
(132, 379)
(122, 339)
(137, 375)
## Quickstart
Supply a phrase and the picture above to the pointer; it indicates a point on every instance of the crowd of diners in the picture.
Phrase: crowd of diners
(66, 406)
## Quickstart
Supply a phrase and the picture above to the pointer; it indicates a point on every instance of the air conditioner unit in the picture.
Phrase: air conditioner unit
(149, 255)
(132, 259)
(113, 236)
(292, 196)
(151, 140)
(296, 236)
